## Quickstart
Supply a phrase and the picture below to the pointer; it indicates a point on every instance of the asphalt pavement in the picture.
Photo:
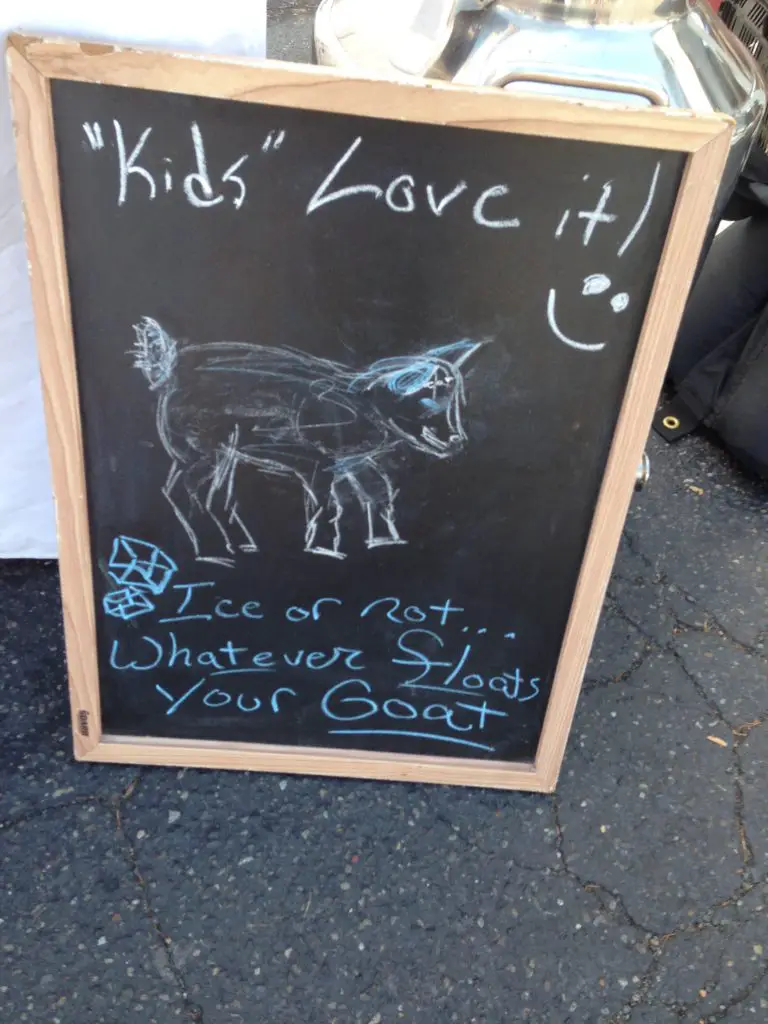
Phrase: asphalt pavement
(635, 895)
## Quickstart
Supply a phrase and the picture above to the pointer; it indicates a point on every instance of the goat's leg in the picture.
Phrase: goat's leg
(231, 513)
(323, 530)
(202, 482)
(174, 475)
(376, 494)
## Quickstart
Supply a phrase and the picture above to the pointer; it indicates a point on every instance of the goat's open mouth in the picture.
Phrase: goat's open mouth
(438, 443)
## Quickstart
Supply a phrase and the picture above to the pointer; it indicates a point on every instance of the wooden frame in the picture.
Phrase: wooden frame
(34, 62)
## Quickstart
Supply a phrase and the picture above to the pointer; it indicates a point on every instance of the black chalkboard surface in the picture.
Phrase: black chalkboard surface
(348, 387)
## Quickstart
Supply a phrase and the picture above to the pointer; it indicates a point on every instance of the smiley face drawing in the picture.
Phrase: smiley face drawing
(593, 284)
(598, 284)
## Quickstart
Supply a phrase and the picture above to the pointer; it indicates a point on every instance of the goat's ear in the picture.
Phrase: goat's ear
(457, 353)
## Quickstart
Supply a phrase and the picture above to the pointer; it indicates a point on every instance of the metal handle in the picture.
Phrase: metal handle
(583, 78)
(643, 472)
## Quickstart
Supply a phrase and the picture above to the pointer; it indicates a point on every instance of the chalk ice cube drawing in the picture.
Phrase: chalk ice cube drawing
(140, 565)
(127, 603)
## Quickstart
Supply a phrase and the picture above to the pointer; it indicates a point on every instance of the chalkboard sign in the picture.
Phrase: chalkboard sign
(346, 385)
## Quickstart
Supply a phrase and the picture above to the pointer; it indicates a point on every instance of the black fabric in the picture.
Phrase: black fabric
(675, 419)
(730, 292)
(741, 414)
(720, 362)
(751, 193)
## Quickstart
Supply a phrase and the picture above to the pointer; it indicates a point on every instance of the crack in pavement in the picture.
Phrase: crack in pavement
(741, 996)
(745, 845)
(659, 578)
(657, 945)
(604, 682)
(634, 548)
(683, 1009)
(669, 648)
(610, 901)
(42, 811)
(473, 847)
(640, 995)
(718, 628)
(738, 735)
(192, 1011)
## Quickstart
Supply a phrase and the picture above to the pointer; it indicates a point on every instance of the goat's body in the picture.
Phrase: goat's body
(294, 415)
(272, 406)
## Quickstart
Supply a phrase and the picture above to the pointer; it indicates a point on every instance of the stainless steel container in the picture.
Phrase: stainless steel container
(673, 53)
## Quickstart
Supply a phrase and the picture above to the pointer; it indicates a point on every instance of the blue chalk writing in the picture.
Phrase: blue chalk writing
(232, 652)
(534, 684)
(318, 661)
(219, 609)
(175, 705)
(241, 671)
(298, 614)
(255, 703)
(230, 659)
(394, 603)
(418, 658)
(189, 589)
(445, 610)
(178, 652)
(442, 713)
(414, 614)
(459, 665)
(274, 700)
(180, 615)
(501, 684)
(186, 618)
(218, 698)
(319, 603)
(445, 694)
(209, 658)
(373, 707)
(135, 666)
(408, 732)
(388, 708)
(483, 711)
(471, 684)
(354, 707)
(224, 607)
(210, 702)
(411, 613)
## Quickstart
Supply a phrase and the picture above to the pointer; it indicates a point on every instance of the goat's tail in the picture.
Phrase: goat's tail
(154, 352)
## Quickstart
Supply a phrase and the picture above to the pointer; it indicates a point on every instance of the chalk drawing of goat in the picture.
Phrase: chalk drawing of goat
(327, 426)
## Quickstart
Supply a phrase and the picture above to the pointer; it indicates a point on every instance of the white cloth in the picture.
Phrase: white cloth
(232, 27)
